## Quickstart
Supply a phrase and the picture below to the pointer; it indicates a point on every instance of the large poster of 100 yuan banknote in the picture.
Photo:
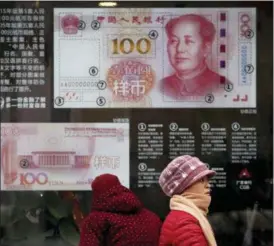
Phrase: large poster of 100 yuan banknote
(62, 156)
(160, 58)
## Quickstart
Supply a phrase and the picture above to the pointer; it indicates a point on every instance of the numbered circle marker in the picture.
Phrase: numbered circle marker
(93, 71)
(101, 101)
(209, 98)
(142, 127)
(205, 126)
(228, 87)
(153, 34)
(249, 68)
(95, 25)
(142, 167)
(59, 101)
(81, 25)
(173, 126)
(101, 85)
(24, 163)
(235, 126)
(249, 34)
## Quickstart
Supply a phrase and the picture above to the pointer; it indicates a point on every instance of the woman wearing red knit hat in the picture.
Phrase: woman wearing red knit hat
(185, 180)
(117, 217)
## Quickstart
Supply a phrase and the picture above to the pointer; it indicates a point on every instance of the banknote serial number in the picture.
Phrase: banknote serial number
(79, 84)
(243, 63)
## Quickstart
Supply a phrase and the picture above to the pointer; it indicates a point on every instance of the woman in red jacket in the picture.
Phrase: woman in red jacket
(185, 180)
(117, 217)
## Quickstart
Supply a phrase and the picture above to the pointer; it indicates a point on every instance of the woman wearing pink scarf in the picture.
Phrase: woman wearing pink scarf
(185, 180)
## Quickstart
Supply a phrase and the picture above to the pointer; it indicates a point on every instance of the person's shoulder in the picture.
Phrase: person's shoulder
(179, 223)
(95, 216)
(182, 215)
(185, 222)
(150, 215)
(177, 218)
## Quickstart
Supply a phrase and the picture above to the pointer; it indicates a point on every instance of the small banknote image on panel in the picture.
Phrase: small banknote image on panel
(62, 156)
(155, 58)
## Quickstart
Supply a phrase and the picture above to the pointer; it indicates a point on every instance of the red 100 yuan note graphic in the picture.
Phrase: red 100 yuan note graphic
(61, 156)
(161, 58)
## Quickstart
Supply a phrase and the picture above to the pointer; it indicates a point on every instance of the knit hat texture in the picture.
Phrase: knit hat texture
(181, 173)
(104, 183)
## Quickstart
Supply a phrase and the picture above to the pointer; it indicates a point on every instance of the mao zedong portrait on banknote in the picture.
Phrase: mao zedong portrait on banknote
(190, 39)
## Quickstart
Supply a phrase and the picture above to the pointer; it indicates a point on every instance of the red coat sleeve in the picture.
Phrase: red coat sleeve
(92, 229)
(189, 233)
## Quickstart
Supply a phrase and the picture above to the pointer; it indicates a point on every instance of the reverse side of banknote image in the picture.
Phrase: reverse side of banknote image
(160, 58)
(62, 156)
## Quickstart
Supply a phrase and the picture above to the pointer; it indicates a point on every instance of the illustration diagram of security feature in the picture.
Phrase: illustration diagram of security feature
(128, 58)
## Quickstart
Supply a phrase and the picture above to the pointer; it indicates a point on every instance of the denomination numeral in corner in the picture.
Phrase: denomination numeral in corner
(31, 178)
(142, 45)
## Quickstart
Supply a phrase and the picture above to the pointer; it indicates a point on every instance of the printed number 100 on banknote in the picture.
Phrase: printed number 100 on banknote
(163, 58)
(62, 156)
